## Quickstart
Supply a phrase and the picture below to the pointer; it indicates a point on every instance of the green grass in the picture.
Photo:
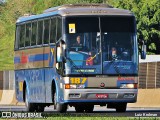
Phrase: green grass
(87, 118)
(92, 118)
(6, 53)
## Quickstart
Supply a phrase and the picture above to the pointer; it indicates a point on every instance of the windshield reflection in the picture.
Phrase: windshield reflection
(113, 51)
(83, 50)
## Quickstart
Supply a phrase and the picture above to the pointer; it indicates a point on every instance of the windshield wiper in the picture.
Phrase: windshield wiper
(114, 65)
(75, 66)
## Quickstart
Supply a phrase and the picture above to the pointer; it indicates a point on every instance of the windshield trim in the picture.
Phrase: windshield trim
(102, 73)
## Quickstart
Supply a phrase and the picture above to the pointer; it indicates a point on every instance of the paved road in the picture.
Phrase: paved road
(98, 111)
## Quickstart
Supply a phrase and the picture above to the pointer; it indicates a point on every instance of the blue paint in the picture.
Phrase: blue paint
(38, 84)
(119, 67)
(33, 58)
(38, 57)
(17, 60)
(78, 58)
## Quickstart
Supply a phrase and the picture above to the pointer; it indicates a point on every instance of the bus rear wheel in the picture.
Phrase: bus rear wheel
(40, 108)
(121, 107)
(30, 107)
(60, 107)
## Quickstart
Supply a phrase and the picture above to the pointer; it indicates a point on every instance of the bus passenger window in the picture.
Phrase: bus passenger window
(28, 34)
(34, 33)
(22, 36)
(59, 28)
(18, 29)
(46, 31)
(40, 32)
(53, 30)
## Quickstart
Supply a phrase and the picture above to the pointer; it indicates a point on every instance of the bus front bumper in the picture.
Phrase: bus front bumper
(99, 95)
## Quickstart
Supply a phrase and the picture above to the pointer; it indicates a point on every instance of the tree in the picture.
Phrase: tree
(147, 13)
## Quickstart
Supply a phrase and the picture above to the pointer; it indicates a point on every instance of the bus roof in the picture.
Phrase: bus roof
(78, 10)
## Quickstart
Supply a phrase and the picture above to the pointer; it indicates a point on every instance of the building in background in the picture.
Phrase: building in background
(150, 58)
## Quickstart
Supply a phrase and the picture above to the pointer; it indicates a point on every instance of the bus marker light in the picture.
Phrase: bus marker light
(67, 86)
(21, 86)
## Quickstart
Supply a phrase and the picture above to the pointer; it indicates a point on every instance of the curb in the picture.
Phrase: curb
(1, 91)
(147, 98)
(7, 97)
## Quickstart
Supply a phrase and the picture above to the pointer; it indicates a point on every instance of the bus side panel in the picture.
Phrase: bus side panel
(38, 68)
(50, 75)
(48, 82)
(19, 80)
(34, 79)
(35, 85)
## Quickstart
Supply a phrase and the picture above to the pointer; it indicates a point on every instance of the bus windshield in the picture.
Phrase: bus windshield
(101, 45)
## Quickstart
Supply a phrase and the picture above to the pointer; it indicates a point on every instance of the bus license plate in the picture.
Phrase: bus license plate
(101, 96)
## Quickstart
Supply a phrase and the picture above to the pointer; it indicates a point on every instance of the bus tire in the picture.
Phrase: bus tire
(89, 108)
(30, 107)
(121, 107)
(79, 109)
(60, 107)
(40, 108)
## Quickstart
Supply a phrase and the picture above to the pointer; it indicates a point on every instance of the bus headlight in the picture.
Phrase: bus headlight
(130, 86)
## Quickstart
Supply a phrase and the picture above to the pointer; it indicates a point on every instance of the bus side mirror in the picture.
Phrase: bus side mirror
(59, 54)
(60, 51)
(143, 51)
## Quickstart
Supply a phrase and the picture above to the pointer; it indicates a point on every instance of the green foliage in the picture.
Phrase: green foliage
(147, 13)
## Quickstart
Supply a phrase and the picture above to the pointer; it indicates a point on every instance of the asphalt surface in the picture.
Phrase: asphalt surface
(98, 111)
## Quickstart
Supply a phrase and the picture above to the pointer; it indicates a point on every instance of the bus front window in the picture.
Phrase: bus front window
(101, 45)
(82, 45)
(120, 55)
(82, 52)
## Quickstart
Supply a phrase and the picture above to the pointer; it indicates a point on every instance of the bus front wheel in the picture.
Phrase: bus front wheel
(60, 107)
(79, 109)
(121, 107)
(89, 108)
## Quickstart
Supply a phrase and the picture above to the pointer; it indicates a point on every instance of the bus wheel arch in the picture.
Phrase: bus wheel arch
(60, 107)
(30, 107)
(121, 107)
(53, 89)
(24, 90)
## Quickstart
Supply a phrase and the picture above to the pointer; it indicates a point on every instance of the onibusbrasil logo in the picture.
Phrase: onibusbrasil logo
(21, 115)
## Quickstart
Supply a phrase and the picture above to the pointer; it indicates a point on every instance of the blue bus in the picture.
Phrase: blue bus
(77, 55)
